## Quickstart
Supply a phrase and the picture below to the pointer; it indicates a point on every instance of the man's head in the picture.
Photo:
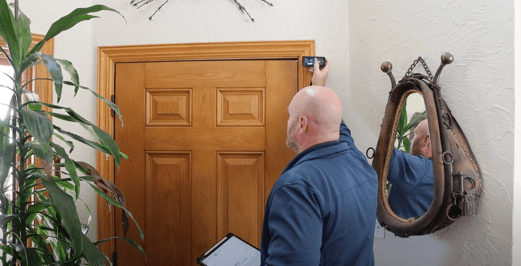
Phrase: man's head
(421, 143)
(420, 117)
(315, 114)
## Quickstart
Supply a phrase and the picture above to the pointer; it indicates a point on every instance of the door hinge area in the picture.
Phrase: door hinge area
(114, 258)
(113, 100)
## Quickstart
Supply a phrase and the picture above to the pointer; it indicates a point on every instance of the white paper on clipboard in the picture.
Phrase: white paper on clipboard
(234, 252)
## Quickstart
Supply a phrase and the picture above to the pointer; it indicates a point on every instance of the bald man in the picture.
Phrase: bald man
(412, 176)
(322, 209)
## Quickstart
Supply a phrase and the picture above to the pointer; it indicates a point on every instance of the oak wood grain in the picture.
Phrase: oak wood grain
(130, 177)
(108, 57)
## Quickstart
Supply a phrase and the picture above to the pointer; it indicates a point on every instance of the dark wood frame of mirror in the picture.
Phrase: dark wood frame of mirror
(457, 177)
(386, 216)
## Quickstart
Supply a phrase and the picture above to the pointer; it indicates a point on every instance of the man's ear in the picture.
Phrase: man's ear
(427, 141)
(303, 125)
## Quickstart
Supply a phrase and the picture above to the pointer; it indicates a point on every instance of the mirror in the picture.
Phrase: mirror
(410, 176)
(425, 181)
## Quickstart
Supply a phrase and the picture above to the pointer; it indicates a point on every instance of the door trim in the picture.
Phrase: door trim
(108, 56)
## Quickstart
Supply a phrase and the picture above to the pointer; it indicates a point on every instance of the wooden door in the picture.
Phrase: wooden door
(207, 142)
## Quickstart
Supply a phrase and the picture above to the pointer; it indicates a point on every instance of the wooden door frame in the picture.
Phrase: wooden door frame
(108, 56)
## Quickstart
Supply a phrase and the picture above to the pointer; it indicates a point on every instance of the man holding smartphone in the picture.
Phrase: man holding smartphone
(322, 209)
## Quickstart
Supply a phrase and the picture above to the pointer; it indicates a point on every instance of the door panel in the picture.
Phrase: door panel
(168, 174)
(207, 143)
(240, 198)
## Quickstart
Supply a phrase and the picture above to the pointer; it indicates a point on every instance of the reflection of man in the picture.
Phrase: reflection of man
(412, 176)
(322, 209)
(421, 116)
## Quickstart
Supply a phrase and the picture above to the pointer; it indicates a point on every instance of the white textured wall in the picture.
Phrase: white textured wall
(516, 236)
(479, 89)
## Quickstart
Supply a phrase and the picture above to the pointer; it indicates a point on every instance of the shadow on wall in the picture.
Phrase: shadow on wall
(427, 249)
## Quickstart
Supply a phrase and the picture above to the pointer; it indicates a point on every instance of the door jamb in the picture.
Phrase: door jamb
(108, 56)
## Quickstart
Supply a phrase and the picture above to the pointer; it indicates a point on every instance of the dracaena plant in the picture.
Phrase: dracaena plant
(38, 216)
(405, 128)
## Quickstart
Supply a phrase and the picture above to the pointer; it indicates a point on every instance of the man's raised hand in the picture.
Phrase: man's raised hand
(319, 75)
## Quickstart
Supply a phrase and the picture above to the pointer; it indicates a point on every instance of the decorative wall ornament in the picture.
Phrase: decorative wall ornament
(455, 180)
(140, 3)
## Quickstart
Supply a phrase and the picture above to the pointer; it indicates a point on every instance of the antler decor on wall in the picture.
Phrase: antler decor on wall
(141, 3)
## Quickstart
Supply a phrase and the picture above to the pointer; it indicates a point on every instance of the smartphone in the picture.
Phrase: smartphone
(308, 61)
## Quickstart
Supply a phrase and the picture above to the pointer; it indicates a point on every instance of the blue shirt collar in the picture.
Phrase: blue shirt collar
(313, 152)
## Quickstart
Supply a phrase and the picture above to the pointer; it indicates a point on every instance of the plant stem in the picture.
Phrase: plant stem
(21, 179)
(16, 9)
(14, 222)
(4, 208)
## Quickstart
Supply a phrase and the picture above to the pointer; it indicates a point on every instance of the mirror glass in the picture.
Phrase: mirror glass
(410, 176)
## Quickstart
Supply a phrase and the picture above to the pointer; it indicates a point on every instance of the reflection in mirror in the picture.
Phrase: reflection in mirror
(410, 176)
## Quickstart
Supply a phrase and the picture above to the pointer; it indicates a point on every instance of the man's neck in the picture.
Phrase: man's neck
(317, 141)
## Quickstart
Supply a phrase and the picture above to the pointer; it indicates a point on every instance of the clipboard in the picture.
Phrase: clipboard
(231, 250)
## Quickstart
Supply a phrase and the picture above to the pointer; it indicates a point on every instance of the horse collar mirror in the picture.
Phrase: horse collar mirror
(427, 174)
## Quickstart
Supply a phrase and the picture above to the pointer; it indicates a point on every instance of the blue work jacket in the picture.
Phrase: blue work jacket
(322, 209)
(412, 180)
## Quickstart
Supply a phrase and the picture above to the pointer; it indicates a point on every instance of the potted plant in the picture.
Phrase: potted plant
(38, 215)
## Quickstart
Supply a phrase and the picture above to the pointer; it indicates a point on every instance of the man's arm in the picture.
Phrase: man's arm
(345, 134)
(406, 170)
(295, 226)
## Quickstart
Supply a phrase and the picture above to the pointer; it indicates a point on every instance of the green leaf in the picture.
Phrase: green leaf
(64, 204)
(40, 153)
(65, 184)
(73, 74)
(102, 136)
(34, 209)
(31, 257)
(31, 60)
(61, 250)
(92, 253)
(70, 166)
(88, 178)
(83, 140)
(403, 120)
(56, 73)
(406, 145)
(110, 143)
(130, 241)
(4, 219)
(39, 125)
(39, 242)
(7, 249)
(5, 126)
(6, 160)
(112, 105)
(4, 133)
(62, 116)
(69, 143)
(23, 33)
(89, 219)
(414, 120)
(69, 21)
(7, 31)
(106, 139)
(115, 203)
